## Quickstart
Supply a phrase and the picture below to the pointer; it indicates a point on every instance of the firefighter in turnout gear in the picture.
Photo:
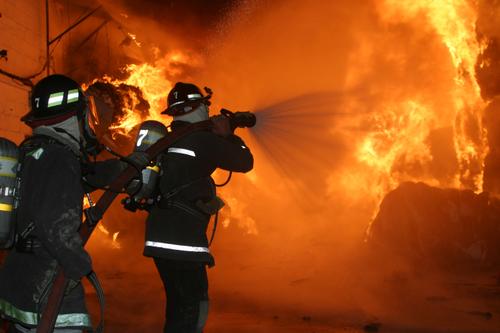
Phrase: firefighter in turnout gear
(176, 226)
(50, 210)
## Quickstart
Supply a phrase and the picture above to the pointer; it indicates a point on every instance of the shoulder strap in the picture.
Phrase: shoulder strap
(24, 241)
(37, 140)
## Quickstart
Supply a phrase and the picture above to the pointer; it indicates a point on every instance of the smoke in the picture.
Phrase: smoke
(350, 101)
(124, 32)
(323, 79)
(488, 75)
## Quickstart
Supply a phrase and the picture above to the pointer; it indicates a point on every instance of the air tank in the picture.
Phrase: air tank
(9, 160)
(149, 133)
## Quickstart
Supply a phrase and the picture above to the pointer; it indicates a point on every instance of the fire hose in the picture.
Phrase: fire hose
(94, 214)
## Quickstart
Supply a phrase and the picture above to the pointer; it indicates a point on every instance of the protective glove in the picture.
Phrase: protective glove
(133, 187)
(221, 125)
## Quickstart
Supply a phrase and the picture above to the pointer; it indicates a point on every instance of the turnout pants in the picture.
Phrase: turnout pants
(186, 288)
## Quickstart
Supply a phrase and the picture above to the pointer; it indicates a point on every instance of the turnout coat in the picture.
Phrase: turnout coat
(176, 226)
(51, 202)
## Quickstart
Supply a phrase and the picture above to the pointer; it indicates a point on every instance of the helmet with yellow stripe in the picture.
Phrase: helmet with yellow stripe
(53, 99)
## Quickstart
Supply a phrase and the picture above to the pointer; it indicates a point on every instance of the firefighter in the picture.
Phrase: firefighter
(176, 226)
(53, 161)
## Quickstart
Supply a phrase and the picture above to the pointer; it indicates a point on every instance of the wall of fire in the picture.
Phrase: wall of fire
(22, 35)
(488, 76)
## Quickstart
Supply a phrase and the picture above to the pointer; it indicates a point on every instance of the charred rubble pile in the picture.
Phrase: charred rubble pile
(448, 228)
(111, 102)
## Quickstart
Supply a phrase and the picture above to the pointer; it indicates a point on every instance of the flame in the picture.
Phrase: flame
(395, 149)
(237, 212)
(454, 22)
(115, 243)
(395, 146)
(395, 133)
(151, 79)
(103, 229)
(130, 118)
(86, 203)
(133, 37)
(113, 240)
(399, 135)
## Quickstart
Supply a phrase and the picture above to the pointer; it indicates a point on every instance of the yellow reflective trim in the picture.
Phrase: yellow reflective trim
(154, 168)
(7, 158)
(10, 175)
(31, 318)
(5, 207)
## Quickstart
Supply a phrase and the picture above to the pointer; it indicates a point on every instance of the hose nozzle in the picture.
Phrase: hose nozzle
(240, 119)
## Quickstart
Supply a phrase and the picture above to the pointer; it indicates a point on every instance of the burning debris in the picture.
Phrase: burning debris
(420, 114)
(450, 228)
(119, 108)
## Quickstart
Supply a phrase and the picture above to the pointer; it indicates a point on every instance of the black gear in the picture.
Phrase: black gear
(54, 99)
(183, 98)
(149, 133)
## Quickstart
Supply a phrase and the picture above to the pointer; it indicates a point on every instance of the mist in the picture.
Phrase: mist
(352, 99)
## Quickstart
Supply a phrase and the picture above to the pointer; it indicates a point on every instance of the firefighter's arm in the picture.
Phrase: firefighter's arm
(102, 173)
(233, 154)
(59, 216)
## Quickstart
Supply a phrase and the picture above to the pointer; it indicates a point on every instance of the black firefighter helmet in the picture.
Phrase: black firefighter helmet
(184, 98)
(53, 99)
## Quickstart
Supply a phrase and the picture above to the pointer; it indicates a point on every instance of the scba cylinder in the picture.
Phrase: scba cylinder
(9, 160)
(149, 133)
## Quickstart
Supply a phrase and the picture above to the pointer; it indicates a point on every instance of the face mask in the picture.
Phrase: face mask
(87, 123)
(200, 113)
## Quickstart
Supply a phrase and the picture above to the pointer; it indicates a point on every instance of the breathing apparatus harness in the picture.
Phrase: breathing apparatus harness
(119, 184)
(53, 100)
(25, 242)
(56, 294)
(201, 208)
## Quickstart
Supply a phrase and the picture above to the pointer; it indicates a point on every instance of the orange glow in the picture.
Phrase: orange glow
(352, 99)
(395, 144)
(151, 80)
(454, 21)
(395, 147)
(111, 241)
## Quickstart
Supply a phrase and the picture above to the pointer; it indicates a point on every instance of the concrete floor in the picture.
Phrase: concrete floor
(396, 303)
(136, 302)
